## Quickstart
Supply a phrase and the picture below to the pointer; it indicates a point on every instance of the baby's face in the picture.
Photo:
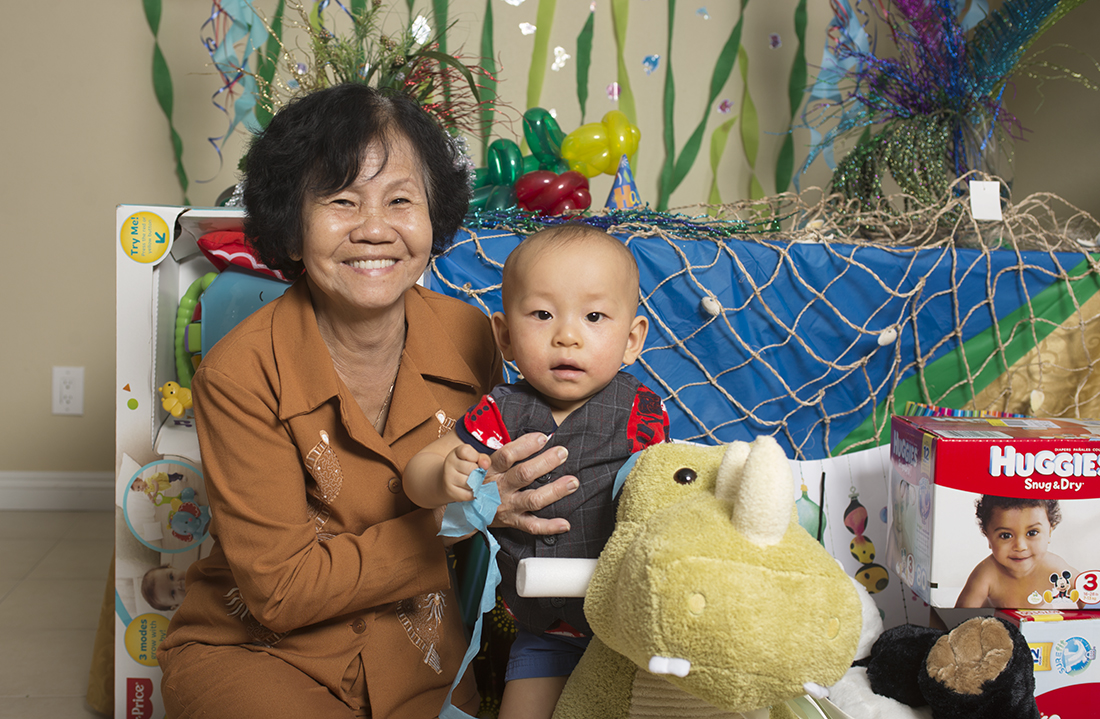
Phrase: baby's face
(572, 322)
(139, 485)
(168, 587)
(1018, 538)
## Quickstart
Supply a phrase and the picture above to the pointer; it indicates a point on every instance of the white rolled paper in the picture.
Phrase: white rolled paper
(554, 576)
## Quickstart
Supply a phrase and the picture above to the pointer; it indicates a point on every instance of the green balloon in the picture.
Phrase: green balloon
(505, 162)
(543, 136)
(492, 197)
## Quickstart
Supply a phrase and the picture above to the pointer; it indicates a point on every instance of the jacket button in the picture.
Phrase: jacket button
(557, 602)
(359, 626)
(395, 485)
(550, 539)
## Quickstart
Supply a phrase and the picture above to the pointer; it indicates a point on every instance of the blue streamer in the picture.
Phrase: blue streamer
(459, 519)
(245, 26)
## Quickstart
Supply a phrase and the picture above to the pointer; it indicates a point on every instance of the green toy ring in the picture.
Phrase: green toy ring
(184, 369)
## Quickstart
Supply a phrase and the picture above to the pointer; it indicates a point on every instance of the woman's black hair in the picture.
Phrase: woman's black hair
(314, 147)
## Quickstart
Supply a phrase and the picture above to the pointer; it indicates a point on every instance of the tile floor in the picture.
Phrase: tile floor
(53, 570)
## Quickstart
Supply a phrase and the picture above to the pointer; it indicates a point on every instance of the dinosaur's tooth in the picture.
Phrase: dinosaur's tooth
(669, 665)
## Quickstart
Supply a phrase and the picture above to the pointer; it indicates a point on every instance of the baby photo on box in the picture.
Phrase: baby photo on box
(996, 512)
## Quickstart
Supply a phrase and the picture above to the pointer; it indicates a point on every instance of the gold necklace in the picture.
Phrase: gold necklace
(378, 423)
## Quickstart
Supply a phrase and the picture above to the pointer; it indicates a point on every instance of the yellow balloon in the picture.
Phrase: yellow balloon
(596, 147)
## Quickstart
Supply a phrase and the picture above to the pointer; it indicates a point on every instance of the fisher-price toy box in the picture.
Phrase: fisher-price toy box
(161, 511)
(942, 466)
(1063, 649)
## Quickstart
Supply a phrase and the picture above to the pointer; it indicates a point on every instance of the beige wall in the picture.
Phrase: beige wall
(82, 133)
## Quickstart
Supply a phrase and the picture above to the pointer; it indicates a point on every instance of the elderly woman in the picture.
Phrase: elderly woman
(326, 593)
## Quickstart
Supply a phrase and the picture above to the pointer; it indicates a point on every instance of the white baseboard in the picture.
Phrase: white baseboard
(57, 491)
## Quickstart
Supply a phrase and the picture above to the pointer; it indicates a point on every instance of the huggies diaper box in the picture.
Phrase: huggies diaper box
(1063, 649)
(996, 512)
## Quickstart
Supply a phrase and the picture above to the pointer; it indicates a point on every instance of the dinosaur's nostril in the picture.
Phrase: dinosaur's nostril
(833, 628)
(697, 603)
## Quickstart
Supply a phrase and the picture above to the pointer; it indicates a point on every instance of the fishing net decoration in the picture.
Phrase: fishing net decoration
(813, 334)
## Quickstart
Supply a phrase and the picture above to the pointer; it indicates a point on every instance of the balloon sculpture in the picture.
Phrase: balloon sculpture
(553, 178)
(544, 192)
(544, 137)
(596, 147)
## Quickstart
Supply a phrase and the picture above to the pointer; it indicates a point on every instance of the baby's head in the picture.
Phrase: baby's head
(163, 587)
(139, 485)
(1018, 529)
(570, 321)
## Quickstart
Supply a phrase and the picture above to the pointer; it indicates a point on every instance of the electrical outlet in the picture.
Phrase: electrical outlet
(68, 390)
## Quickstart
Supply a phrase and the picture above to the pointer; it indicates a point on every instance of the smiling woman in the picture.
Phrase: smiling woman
(326, 592)
(370, 241)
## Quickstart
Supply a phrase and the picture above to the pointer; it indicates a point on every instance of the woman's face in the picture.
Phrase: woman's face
(364, 246)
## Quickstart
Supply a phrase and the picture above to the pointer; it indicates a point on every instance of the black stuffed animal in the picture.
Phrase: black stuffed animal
(982, 669)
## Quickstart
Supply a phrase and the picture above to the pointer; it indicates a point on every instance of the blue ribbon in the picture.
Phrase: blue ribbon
(459, 519)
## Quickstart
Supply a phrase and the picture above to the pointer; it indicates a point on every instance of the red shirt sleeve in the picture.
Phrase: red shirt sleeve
(483, 427)
(648, 424)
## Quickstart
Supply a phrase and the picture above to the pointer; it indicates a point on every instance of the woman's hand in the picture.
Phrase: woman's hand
(516, 506)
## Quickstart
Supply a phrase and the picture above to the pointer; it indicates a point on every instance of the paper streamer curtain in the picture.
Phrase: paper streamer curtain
(162, 87)
(811, 335)
(243, 41)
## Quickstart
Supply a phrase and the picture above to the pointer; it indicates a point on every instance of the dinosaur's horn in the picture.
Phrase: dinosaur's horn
(729, 471)
(758, 482)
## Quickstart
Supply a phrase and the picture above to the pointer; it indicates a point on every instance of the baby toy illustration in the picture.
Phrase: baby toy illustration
(188, 520)
(155, 486)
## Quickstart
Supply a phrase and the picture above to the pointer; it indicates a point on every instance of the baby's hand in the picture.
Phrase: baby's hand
(460, 461)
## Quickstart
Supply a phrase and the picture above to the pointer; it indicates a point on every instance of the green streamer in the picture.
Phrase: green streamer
(620, 13)
(1054, 304)
(796, 88)
(584, 61)
(668, 168)
(750, 128)
(439, 15)
(718, 140)
(540, 54)
(162, 87)
(723, 68)
(489, 89)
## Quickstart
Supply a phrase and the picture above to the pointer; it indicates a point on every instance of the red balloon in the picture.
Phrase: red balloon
(544, 192)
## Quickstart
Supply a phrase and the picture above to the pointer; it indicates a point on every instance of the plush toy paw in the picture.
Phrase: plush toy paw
(982, 669)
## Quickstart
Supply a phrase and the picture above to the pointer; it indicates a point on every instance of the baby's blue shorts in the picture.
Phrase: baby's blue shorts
(543, 655)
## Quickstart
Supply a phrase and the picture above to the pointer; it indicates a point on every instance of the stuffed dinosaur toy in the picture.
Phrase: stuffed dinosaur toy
(710, 600)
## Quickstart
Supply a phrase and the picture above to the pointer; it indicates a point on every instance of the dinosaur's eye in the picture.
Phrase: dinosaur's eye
(685, 475)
